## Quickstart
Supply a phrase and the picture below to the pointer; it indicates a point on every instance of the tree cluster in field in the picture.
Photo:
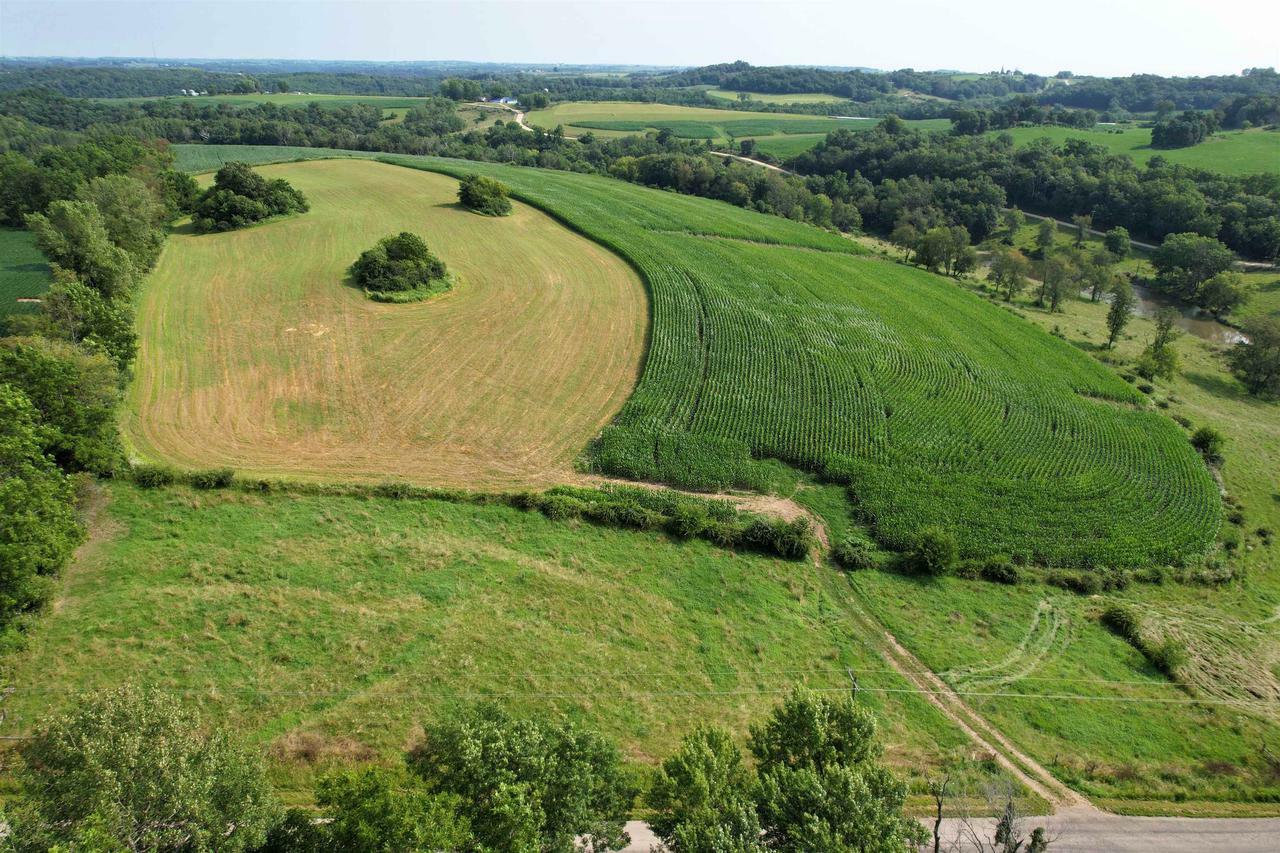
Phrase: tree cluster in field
(400, 265)
(1017, 112)
(98, 212)
(241, 197)
(135, 769)
(1190, 128)
(682, 516)
(484, 195)
(902, 175)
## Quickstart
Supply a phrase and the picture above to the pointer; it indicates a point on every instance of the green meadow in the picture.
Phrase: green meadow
(1233, 152)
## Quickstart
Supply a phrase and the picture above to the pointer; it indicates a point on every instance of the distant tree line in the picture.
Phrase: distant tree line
(896, 174)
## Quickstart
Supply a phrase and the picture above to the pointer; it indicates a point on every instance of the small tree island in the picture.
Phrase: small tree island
(240, 197)
(400, 268)
(485, 195)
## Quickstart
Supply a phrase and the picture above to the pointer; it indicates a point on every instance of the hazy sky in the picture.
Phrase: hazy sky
(1111, 37)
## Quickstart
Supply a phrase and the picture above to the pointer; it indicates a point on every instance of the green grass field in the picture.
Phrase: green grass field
(620, 118)
(803, 98)
(1237, 152)
(326, 630)
(776, 342)
(255, 354)
(24, 273)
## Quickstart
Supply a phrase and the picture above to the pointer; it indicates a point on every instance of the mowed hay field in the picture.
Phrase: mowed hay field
(255, 353)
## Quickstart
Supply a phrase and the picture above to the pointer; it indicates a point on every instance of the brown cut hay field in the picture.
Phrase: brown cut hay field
(256, 354)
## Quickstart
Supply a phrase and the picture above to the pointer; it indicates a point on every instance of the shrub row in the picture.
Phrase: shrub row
(682, 516)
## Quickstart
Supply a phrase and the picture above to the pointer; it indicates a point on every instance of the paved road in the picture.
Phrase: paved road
(1093, 832)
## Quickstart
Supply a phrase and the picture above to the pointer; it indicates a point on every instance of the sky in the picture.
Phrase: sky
(1103, 37)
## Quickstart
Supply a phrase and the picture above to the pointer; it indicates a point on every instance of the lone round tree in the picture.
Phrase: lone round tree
(484, 195)
(402, 266)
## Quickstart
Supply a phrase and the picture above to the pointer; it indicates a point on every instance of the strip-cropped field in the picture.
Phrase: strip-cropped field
(255, 353)
(777, 341)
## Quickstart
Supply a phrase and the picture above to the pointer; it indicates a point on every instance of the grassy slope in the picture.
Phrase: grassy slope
(255, 355)
(1237, 152)
(328, 628)
(23, 271)
(762, 350)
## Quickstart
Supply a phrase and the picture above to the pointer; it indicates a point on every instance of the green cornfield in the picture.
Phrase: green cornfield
(774, 342)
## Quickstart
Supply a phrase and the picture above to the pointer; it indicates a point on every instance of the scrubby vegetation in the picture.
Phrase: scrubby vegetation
(400, 266)
(484, 195)
(240, 197)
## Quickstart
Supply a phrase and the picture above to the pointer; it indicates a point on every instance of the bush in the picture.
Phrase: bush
(934, 552)
(214, 478)
(1081, 583)
(398, 265)
(153, 476)
(689, 520)
(561, 507)
(484, 195)
(854, 554)
(1209, 442)
(1001, 570)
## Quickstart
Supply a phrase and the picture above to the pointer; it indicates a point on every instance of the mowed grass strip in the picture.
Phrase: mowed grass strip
(255, 353)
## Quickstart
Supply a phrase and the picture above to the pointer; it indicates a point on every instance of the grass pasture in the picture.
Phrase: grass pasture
(24, 272)
(802, 98)
(256, 355)
(1233, 152)
(621, 118)
(325, 630)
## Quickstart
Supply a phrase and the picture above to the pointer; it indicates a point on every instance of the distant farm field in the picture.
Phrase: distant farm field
(621, 118)
(24, 273)
(802, 98)
(1237, 152)
(255, 354)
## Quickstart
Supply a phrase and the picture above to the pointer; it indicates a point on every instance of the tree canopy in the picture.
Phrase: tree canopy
(136, 769)
(400, 263)
(484, 195)
(240, 197)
